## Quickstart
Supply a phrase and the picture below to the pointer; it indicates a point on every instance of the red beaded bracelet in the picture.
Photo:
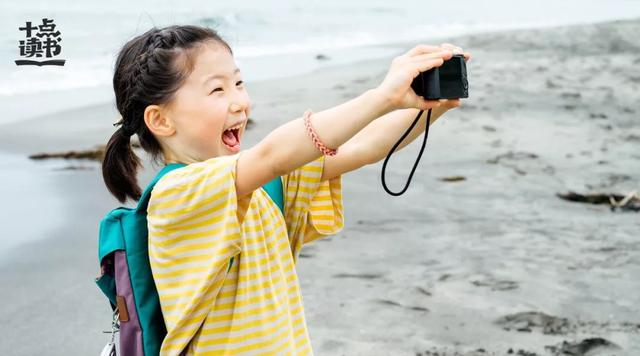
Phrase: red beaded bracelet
(314, 136)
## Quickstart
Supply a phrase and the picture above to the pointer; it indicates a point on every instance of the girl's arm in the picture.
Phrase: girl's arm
(374, 142)
(289, 146)
(334, 126)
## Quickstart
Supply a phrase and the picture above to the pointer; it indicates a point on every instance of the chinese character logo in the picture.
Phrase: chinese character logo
(40, 41)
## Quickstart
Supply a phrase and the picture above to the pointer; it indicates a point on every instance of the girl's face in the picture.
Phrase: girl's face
(211, 101)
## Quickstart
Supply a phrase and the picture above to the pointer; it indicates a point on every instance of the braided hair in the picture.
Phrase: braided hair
(149, 69)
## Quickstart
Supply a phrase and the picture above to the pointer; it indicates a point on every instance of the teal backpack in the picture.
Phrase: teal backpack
(125, 273)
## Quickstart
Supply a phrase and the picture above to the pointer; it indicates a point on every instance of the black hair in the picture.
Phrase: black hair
(149, 69)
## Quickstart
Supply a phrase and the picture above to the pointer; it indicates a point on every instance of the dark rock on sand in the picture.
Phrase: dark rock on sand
(74, 168)
(587, 347)
(453, 179)
(95, 154)
(522, 352)
(526, 321)
(629, 202)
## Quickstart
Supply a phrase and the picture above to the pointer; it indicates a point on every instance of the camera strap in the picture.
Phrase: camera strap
(424, 142)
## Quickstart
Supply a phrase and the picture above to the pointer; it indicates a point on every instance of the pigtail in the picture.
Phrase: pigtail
(120, 167)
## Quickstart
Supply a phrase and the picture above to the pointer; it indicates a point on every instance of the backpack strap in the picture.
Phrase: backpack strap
(144, 198)
(275, 192)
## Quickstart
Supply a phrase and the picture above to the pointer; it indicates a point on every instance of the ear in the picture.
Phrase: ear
(158, 121)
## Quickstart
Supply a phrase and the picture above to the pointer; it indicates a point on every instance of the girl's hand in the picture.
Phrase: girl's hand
(396, 86)
(447, 104)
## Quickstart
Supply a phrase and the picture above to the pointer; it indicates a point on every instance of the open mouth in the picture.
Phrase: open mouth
(231, 138)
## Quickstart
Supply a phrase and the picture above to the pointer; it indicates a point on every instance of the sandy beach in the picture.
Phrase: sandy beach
(495, 264)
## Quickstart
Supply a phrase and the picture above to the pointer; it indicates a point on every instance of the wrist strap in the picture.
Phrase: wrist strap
(426, 134)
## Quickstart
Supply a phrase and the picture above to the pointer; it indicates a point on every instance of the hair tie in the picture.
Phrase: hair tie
(126, 127)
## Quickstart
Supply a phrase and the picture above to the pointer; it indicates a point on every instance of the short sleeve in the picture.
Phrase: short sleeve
(193, 233)
(313, 208)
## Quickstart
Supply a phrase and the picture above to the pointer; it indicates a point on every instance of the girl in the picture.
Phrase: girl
(179, 89)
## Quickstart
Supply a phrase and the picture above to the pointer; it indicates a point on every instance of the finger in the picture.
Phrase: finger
(453, 48)
(449, 103)
(452, 103)
(446, 54)
(425, 65)
(421, 49)
(424, 104)
(421, 103)
(467, 56)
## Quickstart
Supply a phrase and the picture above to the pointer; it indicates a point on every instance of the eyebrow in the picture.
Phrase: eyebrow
(215, 76)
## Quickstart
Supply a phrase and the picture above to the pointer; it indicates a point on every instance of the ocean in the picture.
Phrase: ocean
(270, 39)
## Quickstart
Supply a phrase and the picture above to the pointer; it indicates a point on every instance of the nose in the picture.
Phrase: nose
(240, 102)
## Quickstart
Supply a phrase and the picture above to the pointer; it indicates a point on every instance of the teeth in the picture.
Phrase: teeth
(238, 126)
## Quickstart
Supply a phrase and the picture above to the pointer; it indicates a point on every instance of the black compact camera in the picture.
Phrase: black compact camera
(449, 81)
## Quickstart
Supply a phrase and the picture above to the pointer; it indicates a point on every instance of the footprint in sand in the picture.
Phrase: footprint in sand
(496, 284)
(396, 304)
(358, 275)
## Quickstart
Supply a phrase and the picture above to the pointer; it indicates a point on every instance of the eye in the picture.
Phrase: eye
(214, 90)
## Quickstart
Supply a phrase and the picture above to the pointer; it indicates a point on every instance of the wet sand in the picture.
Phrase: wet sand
(494, 264)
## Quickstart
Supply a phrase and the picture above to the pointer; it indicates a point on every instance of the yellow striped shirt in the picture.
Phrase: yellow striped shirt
(196, 224)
